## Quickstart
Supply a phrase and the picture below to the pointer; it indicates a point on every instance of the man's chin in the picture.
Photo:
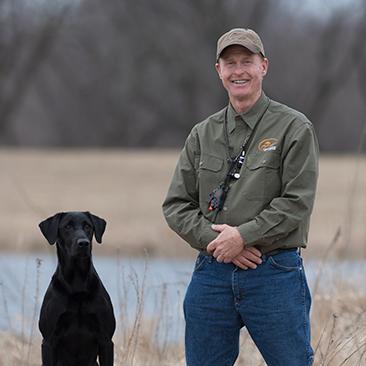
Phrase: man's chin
(240, 96)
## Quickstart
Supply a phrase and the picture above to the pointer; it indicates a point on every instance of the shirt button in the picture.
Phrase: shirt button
(225, 208)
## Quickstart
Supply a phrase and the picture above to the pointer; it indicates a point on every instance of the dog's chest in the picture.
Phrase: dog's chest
(77, 332)
(79, 320)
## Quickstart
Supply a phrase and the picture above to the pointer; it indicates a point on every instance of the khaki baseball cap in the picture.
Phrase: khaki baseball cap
(242, 37)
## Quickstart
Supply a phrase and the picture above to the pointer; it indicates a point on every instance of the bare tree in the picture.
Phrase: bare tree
(141, 73)
(330, 77)
(25, 48)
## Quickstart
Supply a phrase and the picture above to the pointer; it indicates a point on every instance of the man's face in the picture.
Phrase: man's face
(241, 72)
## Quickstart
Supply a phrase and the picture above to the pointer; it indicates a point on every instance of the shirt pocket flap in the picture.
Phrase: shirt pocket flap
(210, 162)
(268, 160)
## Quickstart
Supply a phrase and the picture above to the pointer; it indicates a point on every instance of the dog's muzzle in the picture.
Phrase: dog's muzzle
(83, 243)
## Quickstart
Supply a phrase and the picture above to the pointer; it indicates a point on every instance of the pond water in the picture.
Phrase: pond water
(154, 287)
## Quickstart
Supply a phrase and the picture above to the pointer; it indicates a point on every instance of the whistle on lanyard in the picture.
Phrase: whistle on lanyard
(238, 163)
(217, 197)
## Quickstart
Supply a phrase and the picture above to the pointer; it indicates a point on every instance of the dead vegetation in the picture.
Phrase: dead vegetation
(127, 187)
(338, 326)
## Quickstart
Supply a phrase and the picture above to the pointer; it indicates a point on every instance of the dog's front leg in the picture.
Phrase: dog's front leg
(47, 354)
(106, 353)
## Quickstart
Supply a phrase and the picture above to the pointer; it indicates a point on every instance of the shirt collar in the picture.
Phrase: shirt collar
(251, 117)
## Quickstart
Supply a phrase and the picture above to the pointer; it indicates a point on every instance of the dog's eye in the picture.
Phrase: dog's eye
(87, 227)
(68, 227)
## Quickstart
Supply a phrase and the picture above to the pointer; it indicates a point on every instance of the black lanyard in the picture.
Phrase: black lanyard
(237, 162)
(227, 142)
(218, 196)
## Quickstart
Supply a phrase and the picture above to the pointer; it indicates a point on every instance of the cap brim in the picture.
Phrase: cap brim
(246, 45)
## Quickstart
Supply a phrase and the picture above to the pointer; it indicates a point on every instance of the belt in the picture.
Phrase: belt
(279, 250)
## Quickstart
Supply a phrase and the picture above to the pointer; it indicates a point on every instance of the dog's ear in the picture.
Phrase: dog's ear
(49, 227)
(99, 226)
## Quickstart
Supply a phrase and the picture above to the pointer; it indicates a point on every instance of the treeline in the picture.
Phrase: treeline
(140, 73)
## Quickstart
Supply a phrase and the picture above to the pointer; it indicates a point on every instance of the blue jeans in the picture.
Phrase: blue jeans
(271, 301)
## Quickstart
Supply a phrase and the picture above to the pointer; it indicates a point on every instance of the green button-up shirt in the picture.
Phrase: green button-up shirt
(271, 202)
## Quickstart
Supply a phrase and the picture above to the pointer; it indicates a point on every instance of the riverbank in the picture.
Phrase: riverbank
(150, 331)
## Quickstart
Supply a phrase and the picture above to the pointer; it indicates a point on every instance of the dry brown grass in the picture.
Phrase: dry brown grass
(338, 324)
(128, 187)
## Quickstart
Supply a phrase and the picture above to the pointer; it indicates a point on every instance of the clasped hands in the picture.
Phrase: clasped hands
(229, 247)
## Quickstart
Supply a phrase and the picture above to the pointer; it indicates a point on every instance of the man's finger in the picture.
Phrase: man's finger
(216, 252)
(218, 228)
(220, 258)
(255, 251)
(239, 264)
(211, 246)
(246, 262)
(253, 258)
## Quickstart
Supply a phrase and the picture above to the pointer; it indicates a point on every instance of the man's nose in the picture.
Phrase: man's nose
(83, 243)
(239, 68)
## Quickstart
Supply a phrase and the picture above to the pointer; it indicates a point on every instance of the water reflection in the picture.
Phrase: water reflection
(153, 287)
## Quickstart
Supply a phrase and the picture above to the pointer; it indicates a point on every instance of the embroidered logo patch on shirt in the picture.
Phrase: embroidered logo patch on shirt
(268, 144)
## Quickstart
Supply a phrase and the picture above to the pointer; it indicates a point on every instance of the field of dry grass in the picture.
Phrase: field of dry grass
(127, 187)
(338, 326)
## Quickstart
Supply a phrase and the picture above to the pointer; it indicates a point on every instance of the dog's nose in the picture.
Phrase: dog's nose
(83, 243)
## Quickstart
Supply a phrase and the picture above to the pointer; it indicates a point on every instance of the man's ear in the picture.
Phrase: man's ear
(265, 64)
(49, 227)
(99, 225)
(218, 68)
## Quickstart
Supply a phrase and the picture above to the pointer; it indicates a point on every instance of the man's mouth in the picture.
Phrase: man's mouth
(240, 82)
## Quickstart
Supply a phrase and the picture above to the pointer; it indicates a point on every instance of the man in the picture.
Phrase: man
(242, 194)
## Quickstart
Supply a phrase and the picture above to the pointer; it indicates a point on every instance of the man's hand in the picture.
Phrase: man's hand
(248, 258)
(227, 245)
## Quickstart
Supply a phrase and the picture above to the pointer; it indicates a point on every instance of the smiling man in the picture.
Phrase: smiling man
(242, 195)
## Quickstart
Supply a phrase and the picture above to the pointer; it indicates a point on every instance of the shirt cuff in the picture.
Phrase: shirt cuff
(207, 235)
(250, 232)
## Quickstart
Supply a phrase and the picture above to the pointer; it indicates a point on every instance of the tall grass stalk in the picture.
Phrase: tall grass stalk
(5, 305)
(349, 217)
(35, 312)
(332, 244)
(23, 311)
(128, 354)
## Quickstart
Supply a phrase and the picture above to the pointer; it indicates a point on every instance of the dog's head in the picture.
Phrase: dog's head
(73, 230)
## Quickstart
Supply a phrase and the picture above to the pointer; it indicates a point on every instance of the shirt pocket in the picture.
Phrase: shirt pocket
(262, 176)
(210, 175)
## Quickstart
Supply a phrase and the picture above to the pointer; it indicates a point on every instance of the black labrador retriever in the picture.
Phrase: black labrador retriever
(77, 320)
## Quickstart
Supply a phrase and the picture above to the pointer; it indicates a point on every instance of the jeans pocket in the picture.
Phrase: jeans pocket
(286, 261)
